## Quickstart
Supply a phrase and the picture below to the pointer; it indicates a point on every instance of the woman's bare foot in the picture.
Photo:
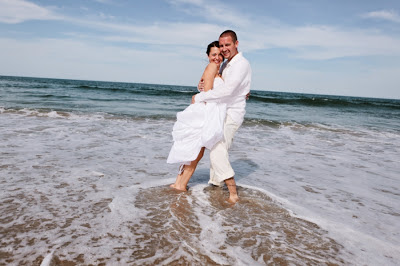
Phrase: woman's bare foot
(174, 186)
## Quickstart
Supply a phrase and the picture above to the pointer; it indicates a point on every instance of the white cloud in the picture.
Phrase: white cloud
(74, 59)
(212, 11)
(174, 52)
(314, 42)
(104, 16)
(163, 33)
(103, 1)
(17, 11)
(192, 2)
(390, 15)
(320, 42)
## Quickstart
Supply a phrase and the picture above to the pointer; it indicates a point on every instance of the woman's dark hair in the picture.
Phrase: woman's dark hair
(211, 45)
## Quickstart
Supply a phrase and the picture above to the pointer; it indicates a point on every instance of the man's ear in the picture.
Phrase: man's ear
(237, 44)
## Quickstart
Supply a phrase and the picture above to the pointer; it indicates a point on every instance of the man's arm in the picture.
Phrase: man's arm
(223, 90)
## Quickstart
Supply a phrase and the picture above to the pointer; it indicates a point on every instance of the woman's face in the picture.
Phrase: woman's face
(215, 55)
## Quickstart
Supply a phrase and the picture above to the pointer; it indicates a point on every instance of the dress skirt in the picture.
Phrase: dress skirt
(199, 125)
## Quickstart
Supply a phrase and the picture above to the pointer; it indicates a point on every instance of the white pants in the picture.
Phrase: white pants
(220, 168)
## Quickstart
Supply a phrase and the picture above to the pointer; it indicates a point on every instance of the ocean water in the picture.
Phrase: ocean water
(84, 179)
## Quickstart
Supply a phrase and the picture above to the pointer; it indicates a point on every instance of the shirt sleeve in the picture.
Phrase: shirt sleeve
(224, 89)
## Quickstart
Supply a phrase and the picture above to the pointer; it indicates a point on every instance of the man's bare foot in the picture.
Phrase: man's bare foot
(231, 184)
(233, 199)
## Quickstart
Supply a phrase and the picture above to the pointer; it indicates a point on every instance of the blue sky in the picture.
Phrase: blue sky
(319, 46)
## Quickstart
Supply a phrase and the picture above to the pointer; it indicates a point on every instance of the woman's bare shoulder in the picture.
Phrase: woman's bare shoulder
(211, 67)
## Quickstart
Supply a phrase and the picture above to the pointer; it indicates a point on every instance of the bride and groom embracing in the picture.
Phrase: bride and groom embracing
(214, 116)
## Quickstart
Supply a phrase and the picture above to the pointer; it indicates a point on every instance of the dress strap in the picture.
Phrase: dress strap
(181, 169)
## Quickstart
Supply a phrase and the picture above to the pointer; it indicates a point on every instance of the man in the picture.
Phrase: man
(232, 90)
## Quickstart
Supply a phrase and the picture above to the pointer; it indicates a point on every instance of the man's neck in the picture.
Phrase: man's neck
(233, 56)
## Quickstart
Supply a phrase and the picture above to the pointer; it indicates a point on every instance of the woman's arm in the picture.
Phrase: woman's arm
(208, 76)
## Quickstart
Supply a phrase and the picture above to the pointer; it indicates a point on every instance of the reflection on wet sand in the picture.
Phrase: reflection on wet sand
(201, 227)
(198, 227)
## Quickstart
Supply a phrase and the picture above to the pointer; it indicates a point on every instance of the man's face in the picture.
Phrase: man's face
(227, 47)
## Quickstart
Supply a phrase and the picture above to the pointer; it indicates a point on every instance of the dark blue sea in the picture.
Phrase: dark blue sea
(84, 179)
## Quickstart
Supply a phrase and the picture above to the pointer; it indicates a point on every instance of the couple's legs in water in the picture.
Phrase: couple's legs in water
(220, 168)
(183, 179)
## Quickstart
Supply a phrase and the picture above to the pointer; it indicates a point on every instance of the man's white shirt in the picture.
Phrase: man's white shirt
(232, 88)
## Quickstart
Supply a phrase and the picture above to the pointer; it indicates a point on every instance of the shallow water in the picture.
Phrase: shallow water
(94, 190)
(318, 184)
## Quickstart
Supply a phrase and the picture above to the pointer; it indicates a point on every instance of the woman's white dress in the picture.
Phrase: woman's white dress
(199, 125)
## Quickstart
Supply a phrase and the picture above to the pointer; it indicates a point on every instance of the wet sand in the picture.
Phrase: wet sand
(197, 227)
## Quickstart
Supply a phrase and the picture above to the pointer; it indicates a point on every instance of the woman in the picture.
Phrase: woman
(199, 126)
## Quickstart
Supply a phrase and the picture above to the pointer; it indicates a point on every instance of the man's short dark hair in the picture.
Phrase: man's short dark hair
(229, 33)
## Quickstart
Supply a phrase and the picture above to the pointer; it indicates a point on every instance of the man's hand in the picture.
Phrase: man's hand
(247, 96)
(200, 87)
(193, 99)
